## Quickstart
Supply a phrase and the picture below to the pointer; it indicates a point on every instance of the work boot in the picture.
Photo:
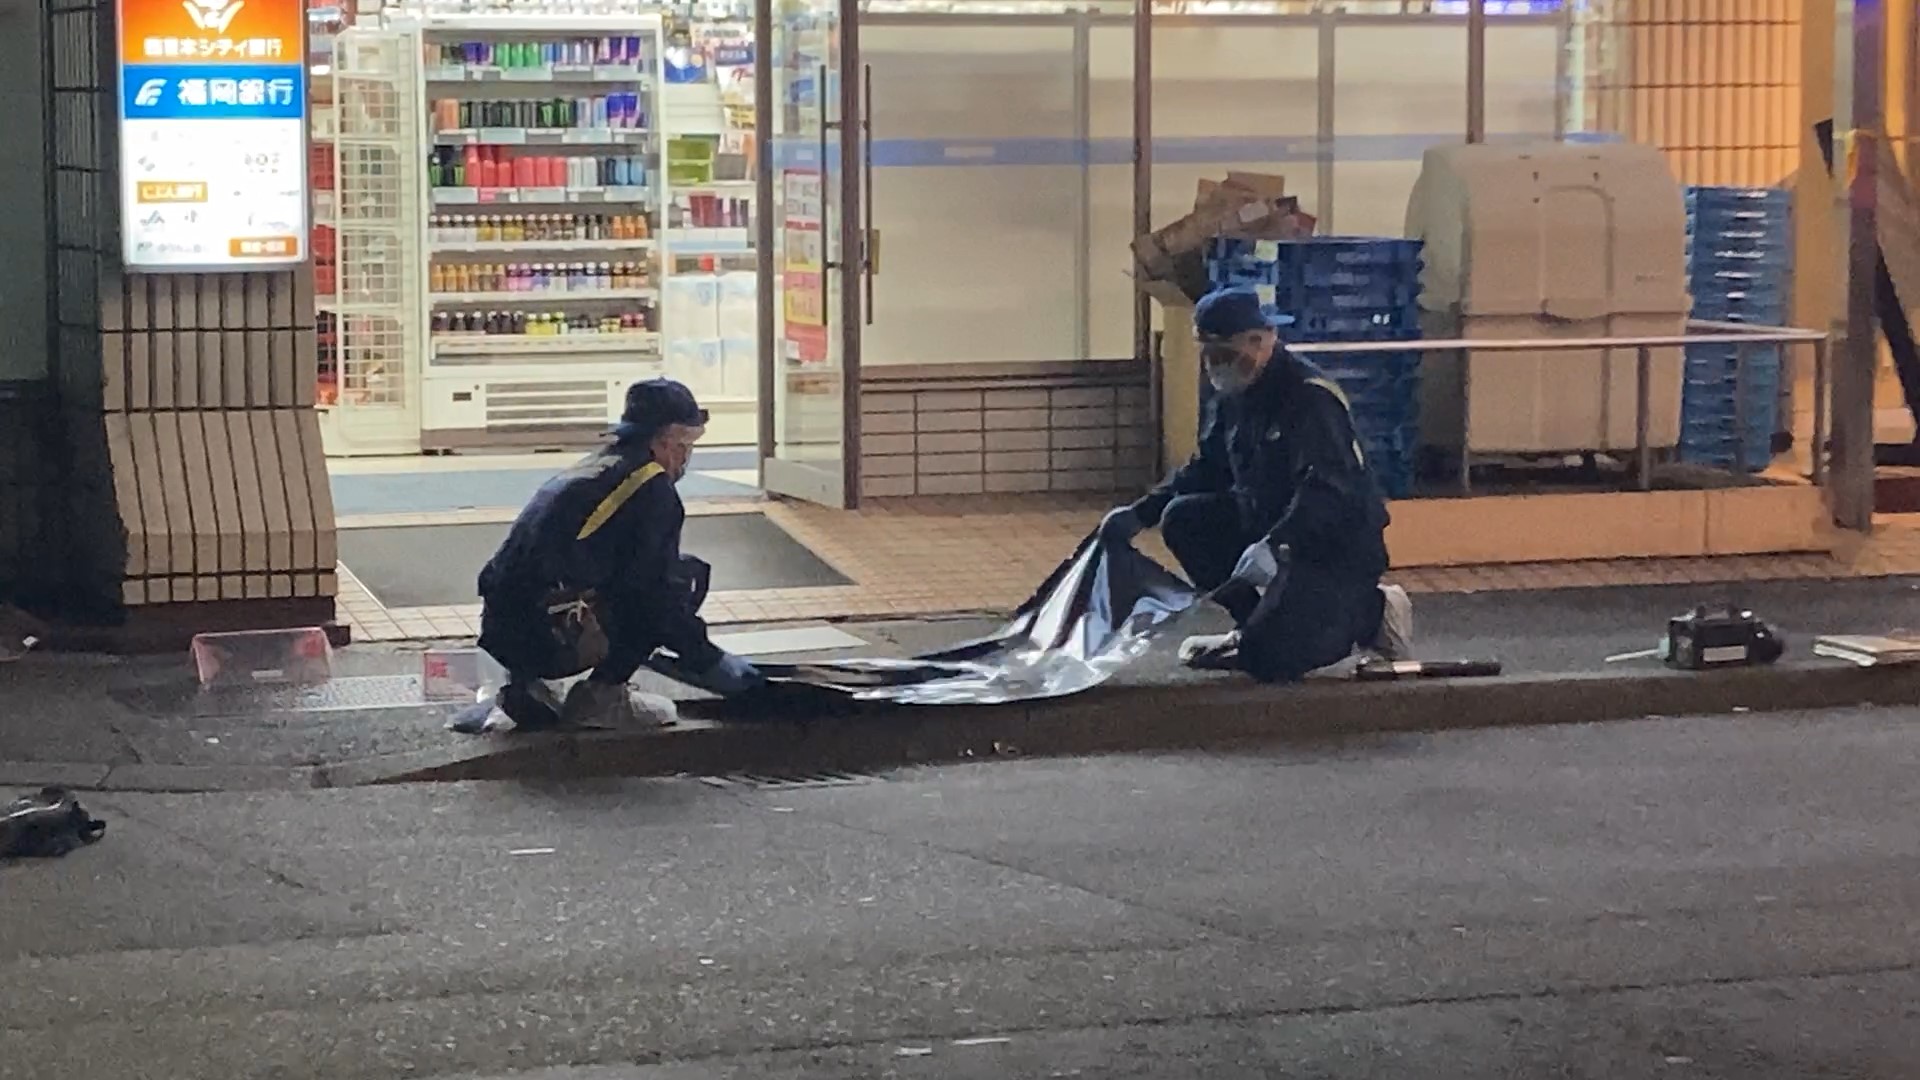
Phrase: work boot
(615, 705)
(531, 704)
(1394, 639)
(1211, 652)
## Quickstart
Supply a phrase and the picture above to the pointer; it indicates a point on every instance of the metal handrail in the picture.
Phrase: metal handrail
(1712, 333)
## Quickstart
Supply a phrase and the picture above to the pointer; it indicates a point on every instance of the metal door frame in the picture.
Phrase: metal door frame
(854, 264)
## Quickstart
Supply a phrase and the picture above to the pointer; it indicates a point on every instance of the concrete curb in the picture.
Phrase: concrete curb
(83, 776)
(1118, 719)
(1216, 715)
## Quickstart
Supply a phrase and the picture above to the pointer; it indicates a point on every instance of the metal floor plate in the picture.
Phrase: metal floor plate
(348, 694)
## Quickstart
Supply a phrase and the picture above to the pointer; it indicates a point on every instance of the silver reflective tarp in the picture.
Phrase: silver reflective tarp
(1094, 615)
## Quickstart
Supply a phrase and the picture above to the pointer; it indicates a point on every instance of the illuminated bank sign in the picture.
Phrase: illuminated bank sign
(213, 134)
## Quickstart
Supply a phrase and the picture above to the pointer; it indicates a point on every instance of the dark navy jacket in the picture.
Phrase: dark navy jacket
(1285, 449)
(609, 526)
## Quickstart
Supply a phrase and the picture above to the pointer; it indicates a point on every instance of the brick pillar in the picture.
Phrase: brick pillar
(195, 483)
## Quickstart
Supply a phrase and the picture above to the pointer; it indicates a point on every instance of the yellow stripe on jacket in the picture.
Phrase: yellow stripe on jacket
(1340, 395)
(618, 497)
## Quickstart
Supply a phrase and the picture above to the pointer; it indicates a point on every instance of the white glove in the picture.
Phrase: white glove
(1258, 565)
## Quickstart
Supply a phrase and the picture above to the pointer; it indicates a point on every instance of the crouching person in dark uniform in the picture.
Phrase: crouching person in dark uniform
(591, 577)
(1276, 510)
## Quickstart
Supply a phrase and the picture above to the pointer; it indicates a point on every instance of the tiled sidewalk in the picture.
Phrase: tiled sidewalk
(932, 556)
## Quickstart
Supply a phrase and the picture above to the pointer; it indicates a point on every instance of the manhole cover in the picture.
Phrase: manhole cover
(757, 782)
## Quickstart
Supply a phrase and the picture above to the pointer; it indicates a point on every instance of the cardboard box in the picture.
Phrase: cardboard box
(1169, 261)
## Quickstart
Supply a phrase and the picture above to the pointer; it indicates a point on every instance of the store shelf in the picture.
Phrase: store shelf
(710, 241)
(446, 299)
(472, 196)
(559, 73)
(495, 247)
(463, 22)
(538, 345)
(742, 186)
(514, 136)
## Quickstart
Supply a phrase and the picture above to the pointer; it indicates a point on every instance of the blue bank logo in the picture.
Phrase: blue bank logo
(214, 91)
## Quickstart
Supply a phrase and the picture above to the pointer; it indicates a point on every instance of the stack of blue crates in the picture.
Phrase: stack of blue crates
(1739, 261)
(1345, 289)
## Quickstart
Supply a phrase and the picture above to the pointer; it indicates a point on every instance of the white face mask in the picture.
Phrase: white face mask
(1227, 380)
(1231, 367)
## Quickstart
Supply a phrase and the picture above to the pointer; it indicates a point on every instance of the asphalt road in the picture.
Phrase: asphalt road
(1729, 897)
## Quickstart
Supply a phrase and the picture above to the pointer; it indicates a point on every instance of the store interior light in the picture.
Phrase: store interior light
(1500, 7)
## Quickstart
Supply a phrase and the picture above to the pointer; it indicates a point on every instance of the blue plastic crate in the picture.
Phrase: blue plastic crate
(1374, 366)
(1366, 388)
(1720, 455)
(1320, 256)
(1762, 361)
(1224, 274)
(1710, 413)
(1717, 409)
(1719, 384)
(1397, 325)
(1383, 406)
(1705, 397)
(1720, 284)
(1718, 430)
(1745, 260)
(1378, 295)
(1762, 304)
(1737, 215)
(1746, 317)
(1715, 446)
(1740, 309)
(1743, 287)
(1709, 196)
(1739, 233)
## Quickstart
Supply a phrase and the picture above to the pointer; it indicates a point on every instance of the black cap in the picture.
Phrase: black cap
(1229, 312)
(654, 404)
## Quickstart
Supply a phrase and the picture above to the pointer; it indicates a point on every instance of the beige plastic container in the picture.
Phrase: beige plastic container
(1549, 241)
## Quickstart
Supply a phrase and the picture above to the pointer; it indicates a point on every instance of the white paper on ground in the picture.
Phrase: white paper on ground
(787, 640)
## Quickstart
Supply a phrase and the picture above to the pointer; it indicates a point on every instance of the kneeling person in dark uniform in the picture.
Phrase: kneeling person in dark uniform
(591, 576)
(1276, 510)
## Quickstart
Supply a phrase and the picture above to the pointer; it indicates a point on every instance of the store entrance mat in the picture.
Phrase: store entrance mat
(436, 565)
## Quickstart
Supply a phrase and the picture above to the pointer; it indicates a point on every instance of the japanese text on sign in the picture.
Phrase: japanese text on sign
(213, 119)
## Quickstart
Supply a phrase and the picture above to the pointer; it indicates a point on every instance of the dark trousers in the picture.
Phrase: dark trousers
(1311, 617)
(532, 641)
